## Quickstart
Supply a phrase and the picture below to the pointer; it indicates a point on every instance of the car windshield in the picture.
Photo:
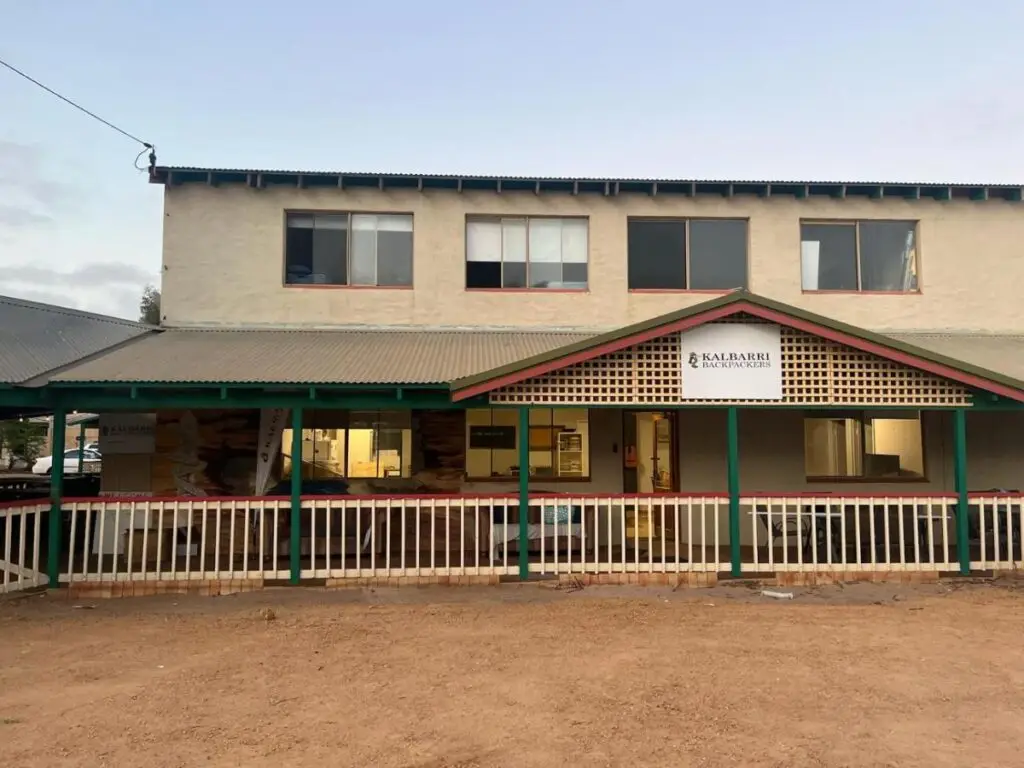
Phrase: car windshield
(86, 454)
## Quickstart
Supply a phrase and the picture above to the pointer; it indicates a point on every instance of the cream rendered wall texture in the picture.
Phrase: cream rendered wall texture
(224, 251)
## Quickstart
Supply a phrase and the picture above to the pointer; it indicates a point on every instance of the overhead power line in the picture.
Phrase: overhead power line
(146, 145)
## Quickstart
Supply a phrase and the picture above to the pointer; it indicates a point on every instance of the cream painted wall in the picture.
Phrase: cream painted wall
(126, 474)
(223, 260)
(995, 451)
(771, 456)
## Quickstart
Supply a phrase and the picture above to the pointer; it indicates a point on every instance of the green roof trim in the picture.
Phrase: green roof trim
(267, 178)
(744, 299)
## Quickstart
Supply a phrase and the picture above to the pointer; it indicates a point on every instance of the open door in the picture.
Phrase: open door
(649, 452)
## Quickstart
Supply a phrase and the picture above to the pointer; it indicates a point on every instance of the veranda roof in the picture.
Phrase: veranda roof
(36, 338)
(313, 357)
(478, 360)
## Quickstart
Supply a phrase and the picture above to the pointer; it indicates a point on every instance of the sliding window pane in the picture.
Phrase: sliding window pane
(894, 447)
(483, 241)
(656, 254)
(574, 241)
(545, 241)
(718, 254)
(513, 240)
(394, 250)
(513, 274)
(828, 257)
(888, 256)
(574, 276)
(483, 254)
(545, 275)
(483, 274)
(513, 253)
(364, 250)
(298, 252)
(315, 249)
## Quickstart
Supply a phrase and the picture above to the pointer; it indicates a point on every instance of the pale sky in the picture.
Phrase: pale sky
(882, 90)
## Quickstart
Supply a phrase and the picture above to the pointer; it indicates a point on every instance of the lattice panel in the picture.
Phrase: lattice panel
(815, 372)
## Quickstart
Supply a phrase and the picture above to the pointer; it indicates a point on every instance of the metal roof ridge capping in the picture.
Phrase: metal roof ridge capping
(876, 190)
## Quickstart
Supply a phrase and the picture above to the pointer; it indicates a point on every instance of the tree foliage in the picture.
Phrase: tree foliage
(21, 440)
(149, 306)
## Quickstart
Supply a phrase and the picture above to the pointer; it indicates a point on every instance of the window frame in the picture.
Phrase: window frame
(860, 414)
(498, 218)
(344, 424)
(348, 249)
(686, 220)
(856, 223)
(533, 479)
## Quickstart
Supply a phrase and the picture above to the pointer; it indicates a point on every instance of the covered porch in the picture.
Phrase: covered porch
(807, 447)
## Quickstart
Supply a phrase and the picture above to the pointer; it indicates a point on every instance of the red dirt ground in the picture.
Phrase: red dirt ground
(872, 675)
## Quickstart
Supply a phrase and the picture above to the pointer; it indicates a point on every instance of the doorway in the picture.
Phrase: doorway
(649, 452)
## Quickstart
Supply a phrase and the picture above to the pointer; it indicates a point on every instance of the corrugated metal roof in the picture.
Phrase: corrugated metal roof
(313, 357)
(37, 338)
(1002, 354)
(406, 357)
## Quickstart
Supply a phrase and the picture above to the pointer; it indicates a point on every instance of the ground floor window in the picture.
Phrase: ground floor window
(354, 444)
(559, 443)
(887, 446)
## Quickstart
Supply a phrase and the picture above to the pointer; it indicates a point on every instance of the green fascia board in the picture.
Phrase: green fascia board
(737, 297)
(130, 398)
(16, 396)
(248, 385)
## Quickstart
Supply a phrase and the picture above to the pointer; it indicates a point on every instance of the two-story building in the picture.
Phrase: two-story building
(403, 376)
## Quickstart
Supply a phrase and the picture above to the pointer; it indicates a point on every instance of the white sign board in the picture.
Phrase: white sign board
(731, 361)
(122, 433)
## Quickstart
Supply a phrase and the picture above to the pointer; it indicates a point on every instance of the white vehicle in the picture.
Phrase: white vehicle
(90, 462)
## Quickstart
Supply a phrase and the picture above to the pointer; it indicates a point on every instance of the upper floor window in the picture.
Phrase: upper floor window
(348, 249)
(687, 254)
(526, 253)
(859, 256)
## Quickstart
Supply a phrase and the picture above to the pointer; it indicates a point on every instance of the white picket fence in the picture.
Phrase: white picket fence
(995, 522)
(385, 536)
(21, 525)
(639, 533)
(115, 539)
(850, 533)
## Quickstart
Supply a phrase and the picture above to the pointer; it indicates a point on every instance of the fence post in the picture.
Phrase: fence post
(57, 432)
(963, 549)
(81, 447)
(295, 538)
(733, 472)
(524, 493)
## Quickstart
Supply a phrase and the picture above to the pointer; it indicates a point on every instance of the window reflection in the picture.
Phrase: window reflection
(353, 444)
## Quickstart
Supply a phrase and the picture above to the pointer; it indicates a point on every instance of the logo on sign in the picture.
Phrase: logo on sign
(735, 360)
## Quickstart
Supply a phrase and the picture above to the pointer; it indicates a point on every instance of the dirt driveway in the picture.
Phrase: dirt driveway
(517, 676)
